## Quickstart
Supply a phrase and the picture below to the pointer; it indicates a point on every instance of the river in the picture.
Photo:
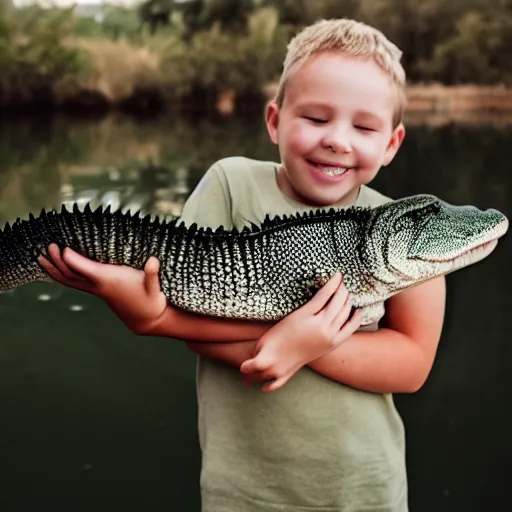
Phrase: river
(96, 418)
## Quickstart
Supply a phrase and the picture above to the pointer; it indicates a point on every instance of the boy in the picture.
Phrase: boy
(330, 439)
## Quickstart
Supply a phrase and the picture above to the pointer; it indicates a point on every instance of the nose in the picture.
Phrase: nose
(336, 139)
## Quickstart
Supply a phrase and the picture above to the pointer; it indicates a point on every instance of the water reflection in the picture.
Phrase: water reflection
(149, 165)
(113, 415)
(154, 166)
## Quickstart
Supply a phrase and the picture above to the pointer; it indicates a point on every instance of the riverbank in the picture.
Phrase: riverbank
(162, 76)
(439, 98)
(215, 71)
(143, 93)
(101, 94)
(461, 101)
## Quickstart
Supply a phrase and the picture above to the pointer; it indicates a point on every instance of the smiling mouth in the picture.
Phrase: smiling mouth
(329, 169)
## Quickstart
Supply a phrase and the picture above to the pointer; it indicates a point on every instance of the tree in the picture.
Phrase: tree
(156, 13)
(478, 52)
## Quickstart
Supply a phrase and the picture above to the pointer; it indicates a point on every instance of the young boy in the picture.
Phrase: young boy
(330, 439)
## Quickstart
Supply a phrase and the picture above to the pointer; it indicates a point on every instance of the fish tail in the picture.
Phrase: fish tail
(100, 235)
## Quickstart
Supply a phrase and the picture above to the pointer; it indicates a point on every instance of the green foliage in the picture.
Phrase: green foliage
(199, 15)
(31, 64)
(156, 13)
(456, 41)
(304, 12)
(209, 46)
(478, 52)
(115, 22)
(214, 60)
(460, 41)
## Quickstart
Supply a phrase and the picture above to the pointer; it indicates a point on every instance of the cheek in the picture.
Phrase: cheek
(302, 138)
(371, 149)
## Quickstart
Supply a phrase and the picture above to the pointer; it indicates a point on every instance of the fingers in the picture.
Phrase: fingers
(349, 328)
(277, 383)
(151, 281)
(63, 268)
(51, 270)
(339, 306)
(59, 264)
(323, 295)
(256, 364)
(260, 370)
(81, 266)
(269, 381)
(262, 360)
(58, 270)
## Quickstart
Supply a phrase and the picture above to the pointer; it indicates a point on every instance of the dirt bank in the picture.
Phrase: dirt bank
(438, 98)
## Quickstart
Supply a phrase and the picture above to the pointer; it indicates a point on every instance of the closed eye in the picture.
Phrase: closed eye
(365, 128)
(315, 120)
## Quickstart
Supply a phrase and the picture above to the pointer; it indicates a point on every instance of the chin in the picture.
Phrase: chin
(317, 200)
(340, 196)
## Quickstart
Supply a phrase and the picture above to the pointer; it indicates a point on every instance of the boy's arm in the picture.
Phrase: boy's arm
(177, 323)
(136, 298)
(397, 358)
(394, 359)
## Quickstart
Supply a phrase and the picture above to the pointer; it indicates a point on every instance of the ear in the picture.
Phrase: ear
(272, 120)
(397, 138)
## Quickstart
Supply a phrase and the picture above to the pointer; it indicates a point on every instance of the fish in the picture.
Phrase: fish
(266, 271)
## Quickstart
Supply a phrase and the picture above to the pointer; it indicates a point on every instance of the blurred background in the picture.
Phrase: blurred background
(128, 105)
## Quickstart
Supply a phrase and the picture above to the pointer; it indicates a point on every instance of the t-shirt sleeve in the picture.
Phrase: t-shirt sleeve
(209, 205)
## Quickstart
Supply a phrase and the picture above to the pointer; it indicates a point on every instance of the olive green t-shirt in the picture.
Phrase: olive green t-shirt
(315, 444)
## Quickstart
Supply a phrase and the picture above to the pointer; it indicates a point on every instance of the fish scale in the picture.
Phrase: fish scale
(266, 271)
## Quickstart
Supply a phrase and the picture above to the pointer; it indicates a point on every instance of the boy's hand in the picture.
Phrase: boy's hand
(133, 295)
(303, 336)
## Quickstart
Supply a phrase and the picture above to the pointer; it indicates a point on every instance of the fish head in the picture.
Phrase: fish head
(422, 237)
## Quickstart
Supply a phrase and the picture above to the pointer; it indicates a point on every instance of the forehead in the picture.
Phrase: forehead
(339, 80)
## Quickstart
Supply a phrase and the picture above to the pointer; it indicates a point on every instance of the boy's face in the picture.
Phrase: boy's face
(334, 129)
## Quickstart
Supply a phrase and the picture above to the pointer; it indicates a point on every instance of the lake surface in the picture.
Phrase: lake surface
(95, 418)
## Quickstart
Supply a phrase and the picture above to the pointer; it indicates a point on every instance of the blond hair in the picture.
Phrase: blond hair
(353, 38)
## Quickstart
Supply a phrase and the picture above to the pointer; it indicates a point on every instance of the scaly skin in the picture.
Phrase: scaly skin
(265, 272)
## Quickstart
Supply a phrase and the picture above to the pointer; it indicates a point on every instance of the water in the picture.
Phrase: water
(95, 418)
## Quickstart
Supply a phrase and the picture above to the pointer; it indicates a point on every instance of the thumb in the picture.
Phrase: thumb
(151, 280)
(81, 265)
(256, 364)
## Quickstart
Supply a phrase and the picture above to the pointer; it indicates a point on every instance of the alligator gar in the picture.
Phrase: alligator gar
(266, 271)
